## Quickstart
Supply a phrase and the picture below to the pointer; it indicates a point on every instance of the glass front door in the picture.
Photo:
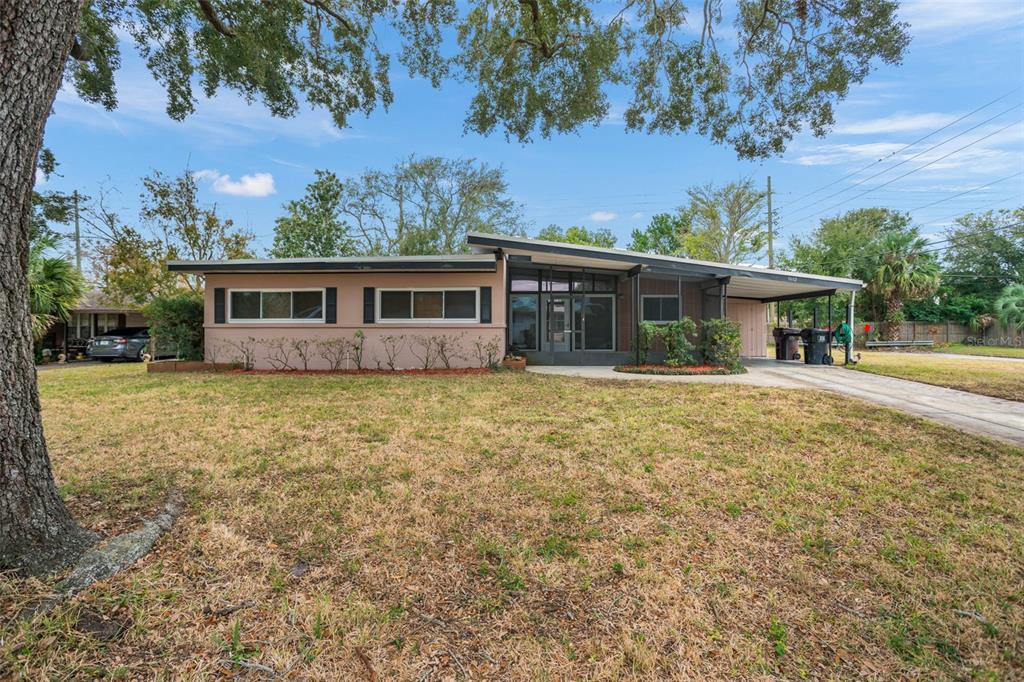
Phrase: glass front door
(579, 322)
(598, 314)
(559, 331)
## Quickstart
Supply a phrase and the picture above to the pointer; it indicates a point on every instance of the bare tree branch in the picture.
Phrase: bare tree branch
(211, 16)
(320, 6)
(80, 53)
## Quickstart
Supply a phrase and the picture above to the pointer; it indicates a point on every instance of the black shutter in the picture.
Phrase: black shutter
(331, 305)
(218, 306)
(369, 303)
(485, 305)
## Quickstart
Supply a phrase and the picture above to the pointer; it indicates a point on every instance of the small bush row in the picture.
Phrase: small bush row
(430, 351)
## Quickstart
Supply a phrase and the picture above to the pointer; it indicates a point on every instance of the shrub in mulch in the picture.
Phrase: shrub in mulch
(680, 370)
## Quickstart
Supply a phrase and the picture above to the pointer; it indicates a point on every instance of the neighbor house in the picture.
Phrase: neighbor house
(555, 303)
(91, 317)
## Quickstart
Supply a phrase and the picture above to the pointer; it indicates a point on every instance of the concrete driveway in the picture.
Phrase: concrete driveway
(981, 415)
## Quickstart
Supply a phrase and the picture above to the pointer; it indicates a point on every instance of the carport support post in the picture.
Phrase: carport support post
(637, 317)
(849, 322)
(830, 330)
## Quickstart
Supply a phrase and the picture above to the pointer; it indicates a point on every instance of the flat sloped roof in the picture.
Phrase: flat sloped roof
(744, 281)
(456, 263)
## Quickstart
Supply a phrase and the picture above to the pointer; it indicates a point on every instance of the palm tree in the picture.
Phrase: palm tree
(904, 270)
(1009, 307)
(55, 288)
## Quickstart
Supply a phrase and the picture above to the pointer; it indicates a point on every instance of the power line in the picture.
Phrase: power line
(910, 172)
(994, 182)
(904, 148)
(908, 159)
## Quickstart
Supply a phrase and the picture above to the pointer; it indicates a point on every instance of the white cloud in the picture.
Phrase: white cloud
(255, 185)
(955, 17)
(832, 154)
(637, 215)
(603, 216)
(897, 123)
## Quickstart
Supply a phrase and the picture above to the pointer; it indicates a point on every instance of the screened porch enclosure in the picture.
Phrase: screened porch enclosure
(585, 316)
(558, 311)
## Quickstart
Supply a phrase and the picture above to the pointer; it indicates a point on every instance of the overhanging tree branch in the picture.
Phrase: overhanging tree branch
(320, 6)
(211, 16)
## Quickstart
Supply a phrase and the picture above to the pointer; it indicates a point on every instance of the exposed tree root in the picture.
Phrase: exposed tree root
(107, 558)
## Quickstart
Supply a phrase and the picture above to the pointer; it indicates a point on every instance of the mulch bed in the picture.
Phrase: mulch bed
(684, 370)
(436, 371)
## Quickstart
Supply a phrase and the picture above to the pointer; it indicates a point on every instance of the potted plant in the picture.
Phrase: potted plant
(514, 359)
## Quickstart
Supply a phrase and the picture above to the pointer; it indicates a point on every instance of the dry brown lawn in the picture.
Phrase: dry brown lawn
(985, 377)
(525, 527)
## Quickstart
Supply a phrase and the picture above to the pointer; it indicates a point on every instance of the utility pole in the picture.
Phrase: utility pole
(771, 236)
(78, 236)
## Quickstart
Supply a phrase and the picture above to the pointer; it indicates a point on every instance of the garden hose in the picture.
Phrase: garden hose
(843, 334)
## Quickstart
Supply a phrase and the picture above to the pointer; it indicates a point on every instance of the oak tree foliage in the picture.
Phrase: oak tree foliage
(749, 74)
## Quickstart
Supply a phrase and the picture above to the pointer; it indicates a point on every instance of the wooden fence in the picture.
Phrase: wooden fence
(952, 332)
(941, 332)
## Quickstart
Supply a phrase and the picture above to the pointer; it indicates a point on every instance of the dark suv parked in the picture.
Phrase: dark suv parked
(128, 343)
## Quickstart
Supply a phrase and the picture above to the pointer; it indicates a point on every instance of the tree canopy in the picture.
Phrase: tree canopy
(750, 75)
(424, 206)
(986, 253)
(727, 223)
(663, 235)
(576, 234)
(313, 225)
(131, 262)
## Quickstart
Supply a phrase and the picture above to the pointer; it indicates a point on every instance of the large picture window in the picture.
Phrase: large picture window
(277, 305)
(660, 308)
(428, 305)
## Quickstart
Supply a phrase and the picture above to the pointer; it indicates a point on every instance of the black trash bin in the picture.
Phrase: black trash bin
(816, 346)
(787, 343)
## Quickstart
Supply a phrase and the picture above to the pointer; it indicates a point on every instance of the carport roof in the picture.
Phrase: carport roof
(744, 281)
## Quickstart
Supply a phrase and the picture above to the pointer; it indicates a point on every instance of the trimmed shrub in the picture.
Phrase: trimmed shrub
(649, 332)
(676, 337)
(177, 320)
(720, 343)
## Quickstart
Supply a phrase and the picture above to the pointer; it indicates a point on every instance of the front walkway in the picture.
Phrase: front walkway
(992, 417)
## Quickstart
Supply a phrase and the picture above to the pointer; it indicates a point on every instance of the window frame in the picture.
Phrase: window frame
(412, 319)
(643, 301)
(231, 319)
(536, 317)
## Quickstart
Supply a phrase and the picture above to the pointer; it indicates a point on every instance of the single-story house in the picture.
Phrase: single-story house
(555, 303)
(90, 318)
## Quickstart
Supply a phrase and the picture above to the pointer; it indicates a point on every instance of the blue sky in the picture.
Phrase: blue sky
(964, 55)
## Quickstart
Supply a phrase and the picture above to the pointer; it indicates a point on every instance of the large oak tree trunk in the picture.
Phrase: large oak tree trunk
(893, 318)
(37, 533)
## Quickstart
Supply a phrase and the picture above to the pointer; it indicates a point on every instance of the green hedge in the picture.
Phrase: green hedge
(177, 321)
(720, 343)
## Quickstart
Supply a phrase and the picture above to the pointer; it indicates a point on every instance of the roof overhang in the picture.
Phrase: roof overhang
(743, 281)
(459, 263)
